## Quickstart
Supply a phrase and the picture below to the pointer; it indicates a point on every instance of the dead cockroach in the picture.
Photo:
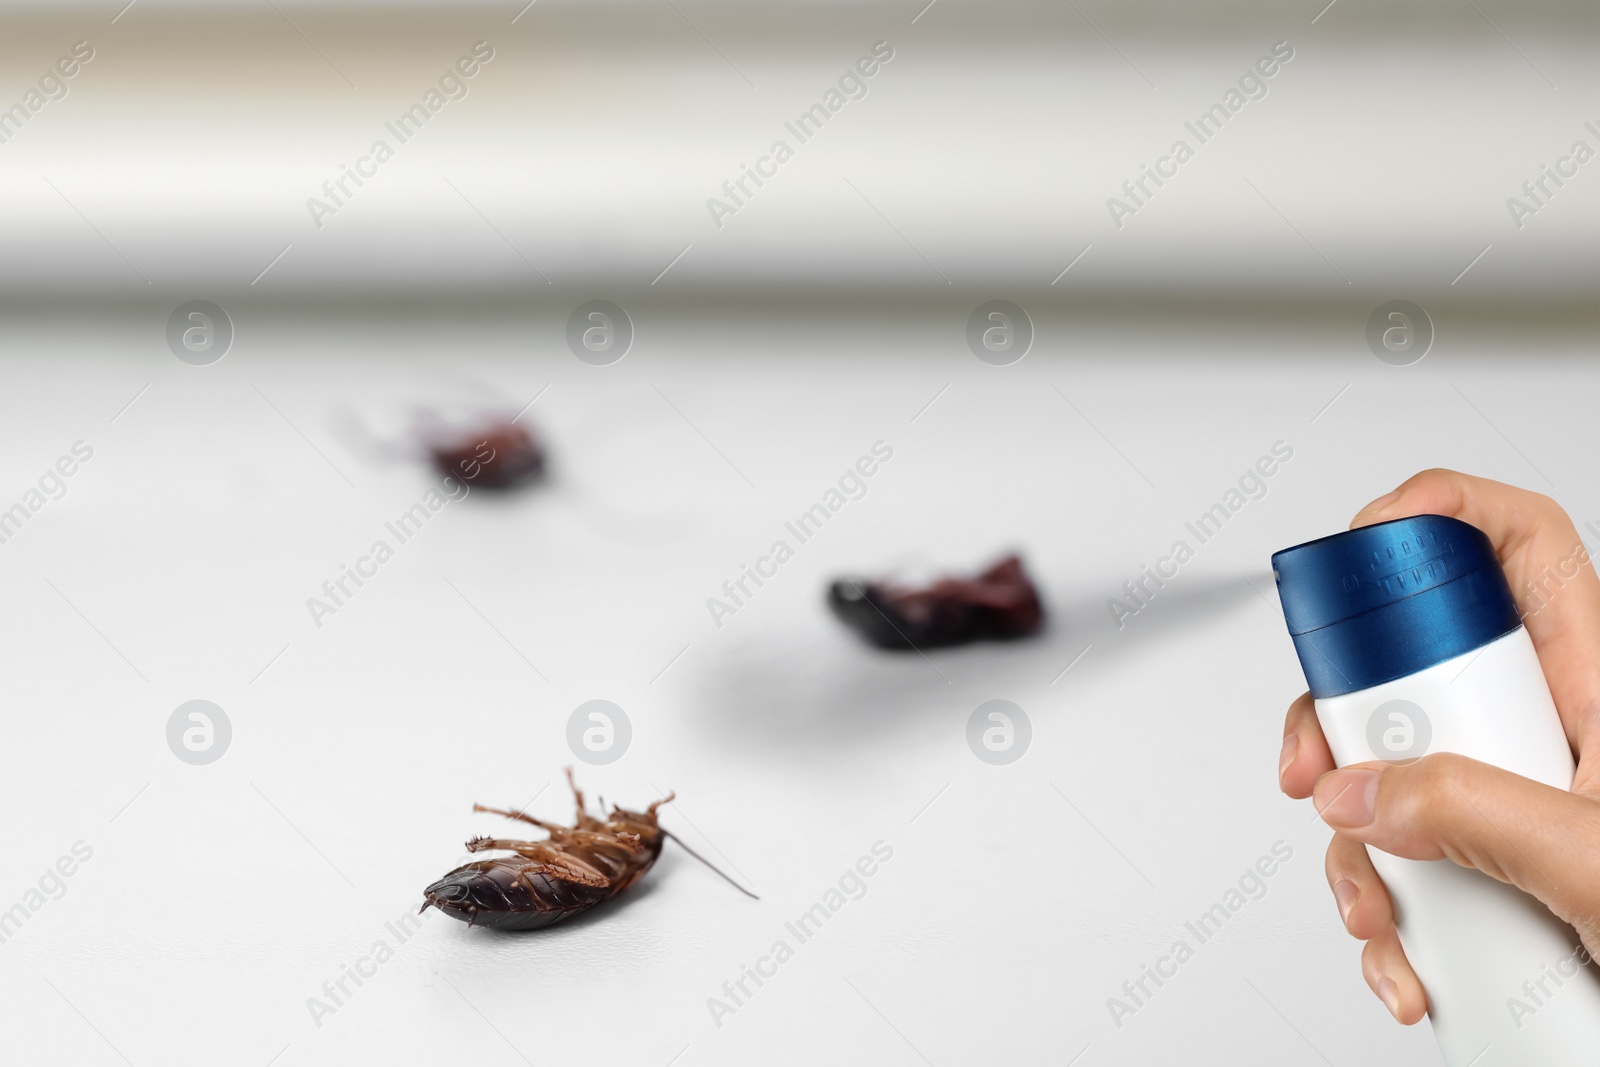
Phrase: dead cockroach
(546, 881)
(492, 455)
(486, 448)
(999, 604)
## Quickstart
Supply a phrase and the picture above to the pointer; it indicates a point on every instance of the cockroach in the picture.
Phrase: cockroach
(495, 455)
(571, 871)
(999, 604)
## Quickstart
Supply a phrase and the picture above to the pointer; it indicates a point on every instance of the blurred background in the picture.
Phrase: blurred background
(1341, 163)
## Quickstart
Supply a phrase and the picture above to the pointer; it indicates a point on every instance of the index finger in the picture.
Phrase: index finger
(1305, 756)
(1547, 566)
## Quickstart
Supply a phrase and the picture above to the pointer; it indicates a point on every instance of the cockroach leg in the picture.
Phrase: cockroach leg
(558, 833)
(523, 874)
(607, 837)
(546, 856)
(668, 799)
(577, 795)
(584, 821)
(522, 816)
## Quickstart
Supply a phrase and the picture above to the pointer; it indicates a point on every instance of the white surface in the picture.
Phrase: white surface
(1019, 898)
(1473, 940)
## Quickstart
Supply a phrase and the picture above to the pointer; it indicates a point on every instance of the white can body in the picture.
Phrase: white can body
(1508, 983)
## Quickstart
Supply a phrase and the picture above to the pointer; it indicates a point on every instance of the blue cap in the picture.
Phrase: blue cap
(1371, 605)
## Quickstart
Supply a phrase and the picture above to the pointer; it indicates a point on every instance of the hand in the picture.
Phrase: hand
(1543, 841)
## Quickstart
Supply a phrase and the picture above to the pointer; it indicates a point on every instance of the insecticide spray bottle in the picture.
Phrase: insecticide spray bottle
(1411, 643)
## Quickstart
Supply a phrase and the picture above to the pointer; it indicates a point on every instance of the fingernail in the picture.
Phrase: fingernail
(1347, 799)
(1374, 511)
(1345, 893)
(1390, 994)
(1291, 748)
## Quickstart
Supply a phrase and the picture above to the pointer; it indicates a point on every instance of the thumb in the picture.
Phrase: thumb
(1544, 841)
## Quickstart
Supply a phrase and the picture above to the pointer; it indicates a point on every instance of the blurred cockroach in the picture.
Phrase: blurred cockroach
(546, 881)
(495, 454)
(486, 448)
(999, 604)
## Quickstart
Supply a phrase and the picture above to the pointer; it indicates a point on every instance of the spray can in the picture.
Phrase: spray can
(1411, 643)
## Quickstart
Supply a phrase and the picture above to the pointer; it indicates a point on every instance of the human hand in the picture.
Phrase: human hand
(1544, 841)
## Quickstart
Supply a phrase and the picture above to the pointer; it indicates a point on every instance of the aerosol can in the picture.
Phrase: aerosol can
(1411, 643)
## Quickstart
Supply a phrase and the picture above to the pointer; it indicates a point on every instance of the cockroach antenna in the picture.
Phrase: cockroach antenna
(667, 833)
